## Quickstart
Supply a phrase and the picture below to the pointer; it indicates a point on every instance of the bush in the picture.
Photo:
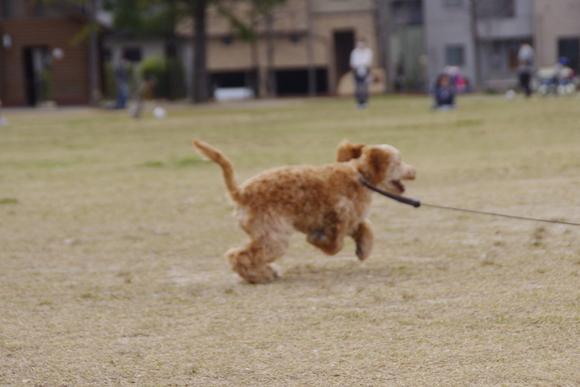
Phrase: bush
(46, 90)
(110, 86)
(169, 76)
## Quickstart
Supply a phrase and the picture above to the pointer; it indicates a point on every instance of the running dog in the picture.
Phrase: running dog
(326, 203)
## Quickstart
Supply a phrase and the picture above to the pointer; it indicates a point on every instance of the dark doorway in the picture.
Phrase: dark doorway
(295, 82)
(31, 92)
(570, 48)
(37, 73)
(229, 79)
(343, 45)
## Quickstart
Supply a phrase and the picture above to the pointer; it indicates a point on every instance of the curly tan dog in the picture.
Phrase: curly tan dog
(326, 203)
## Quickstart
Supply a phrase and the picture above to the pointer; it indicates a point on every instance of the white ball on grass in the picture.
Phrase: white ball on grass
(510, 94)
(159, 112)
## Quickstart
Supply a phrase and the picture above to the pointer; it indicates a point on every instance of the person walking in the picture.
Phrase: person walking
(361, 59)
(122, 81)
(525, 67)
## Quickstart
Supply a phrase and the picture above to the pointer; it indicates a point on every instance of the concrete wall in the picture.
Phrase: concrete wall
(289, 16)
(554, 20)
(329, 6)
(444, 26)
(521, 26)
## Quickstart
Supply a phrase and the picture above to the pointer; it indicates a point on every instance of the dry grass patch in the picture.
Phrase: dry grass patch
(112, 234)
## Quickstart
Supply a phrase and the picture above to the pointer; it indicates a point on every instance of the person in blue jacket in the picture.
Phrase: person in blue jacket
(444, 93)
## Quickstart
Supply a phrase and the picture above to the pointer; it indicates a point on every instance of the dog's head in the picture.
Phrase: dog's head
(380, 165)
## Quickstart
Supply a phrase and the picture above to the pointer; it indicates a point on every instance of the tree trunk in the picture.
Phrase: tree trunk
(172, 65)
(310, 52)
(475, 38)
(256, 66)
(270, 54)
(200, 77)
(170, 60)
(94, 76)
(383, 8)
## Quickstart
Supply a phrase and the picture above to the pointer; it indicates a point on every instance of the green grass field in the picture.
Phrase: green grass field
(112, 235)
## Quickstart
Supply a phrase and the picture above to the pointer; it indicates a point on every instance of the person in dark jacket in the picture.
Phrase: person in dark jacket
(444, 93)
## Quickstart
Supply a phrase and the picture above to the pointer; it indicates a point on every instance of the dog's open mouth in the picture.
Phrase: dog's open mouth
(400, 186)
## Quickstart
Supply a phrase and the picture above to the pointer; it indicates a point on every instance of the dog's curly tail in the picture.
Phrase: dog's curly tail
(227, 168)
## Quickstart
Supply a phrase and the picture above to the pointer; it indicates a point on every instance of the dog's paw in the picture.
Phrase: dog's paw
(362, 252)
(276, 271)
(263, 274)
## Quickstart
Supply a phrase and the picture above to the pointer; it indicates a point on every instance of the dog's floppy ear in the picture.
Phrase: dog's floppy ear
(374, 164)
(348, 151)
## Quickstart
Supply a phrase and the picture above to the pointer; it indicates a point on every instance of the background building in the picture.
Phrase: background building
(483, 42)
(294, 39)
(302, 37)
(301, 47)
(43, 56)
(557, 31)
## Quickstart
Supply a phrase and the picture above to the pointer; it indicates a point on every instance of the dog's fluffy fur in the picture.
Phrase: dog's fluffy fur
(326, 203)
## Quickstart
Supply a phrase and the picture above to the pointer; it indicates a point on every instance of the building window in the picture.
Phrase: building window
(132, 54)
(454, 55)
(453, 3)
(495, 8)
(407, 12)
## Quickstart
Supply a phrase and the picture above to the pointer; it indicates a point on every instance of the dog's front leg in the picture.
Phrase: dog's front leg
(328, 239)
(363, 237)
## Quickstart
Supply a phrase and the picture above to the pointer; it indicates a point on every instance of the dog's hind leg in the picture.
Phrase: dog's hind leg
(253, 262)
(363, 237)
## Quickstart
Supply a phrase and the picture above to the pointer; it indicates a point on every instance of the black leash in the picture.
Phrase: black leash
(417, 203)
